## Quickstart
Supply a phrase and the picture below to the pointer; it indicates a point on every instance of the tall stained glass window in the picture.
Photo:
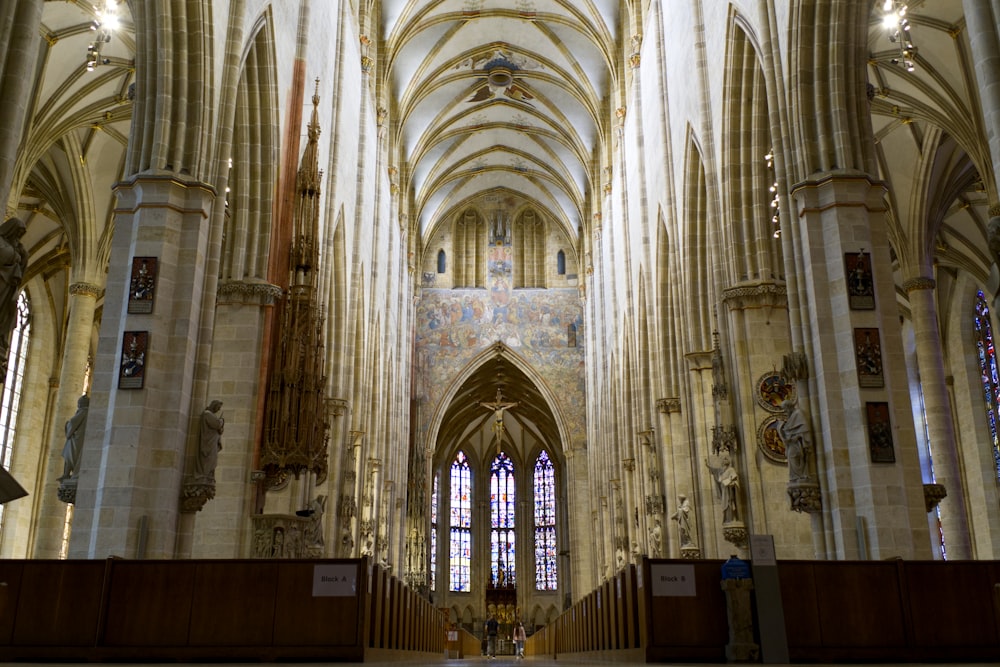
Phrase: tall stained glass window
(460, 521)
(545, 523)
(990, 377)
(502, 506)
(10, 398)
(434, 530)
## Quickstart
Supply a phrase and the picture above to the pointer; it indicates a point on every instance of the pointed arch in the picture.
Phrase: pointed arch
(490, 354)
(751, 238)
(339, 289)
(253, 164)
(468, 249)
(698, 275)
(528, 239)
(667, 320)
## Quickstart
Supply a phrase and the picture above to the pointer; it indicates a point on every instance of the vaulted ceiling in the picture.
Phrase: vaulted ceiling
(930, 136)
(508, 95)
(501, 96)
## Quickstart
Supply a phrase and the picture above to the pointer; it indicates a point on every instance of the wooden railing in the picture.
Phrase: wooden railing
(876, 611)
(331, 610)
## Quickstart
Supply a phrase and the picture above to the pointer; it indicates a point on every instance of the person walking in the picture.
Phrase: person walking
(519, 637)
(492, 627)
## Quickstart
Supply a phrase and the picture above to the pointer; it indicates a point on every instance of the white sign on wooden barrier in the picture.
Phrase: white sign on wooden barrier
(335, 580)
(672, 580)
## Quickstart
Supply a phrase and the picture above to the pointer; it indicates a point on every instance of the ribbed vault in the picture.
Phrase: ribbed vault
(500, 95)
(466, 413)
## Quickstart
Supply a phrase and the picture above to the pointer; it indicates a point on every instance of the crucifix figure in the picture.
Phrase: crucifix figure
(498, 406)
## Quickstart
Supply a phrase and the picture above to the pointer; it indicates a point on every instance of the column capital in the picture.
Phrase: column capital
(337, 407)
(755, 294)
(246, 292)
(668, 405)
(839, 189)
(85, 289)
(919, 283)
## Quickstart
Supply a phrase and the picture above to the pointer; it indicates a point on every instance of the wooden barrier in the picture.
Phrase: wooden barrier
(330, 610)
(350, 610)
(835, 611)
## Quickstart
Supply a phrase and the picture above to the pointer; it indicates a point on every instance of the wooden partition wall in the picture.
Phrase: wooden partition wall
(874, 611)
(331, 610)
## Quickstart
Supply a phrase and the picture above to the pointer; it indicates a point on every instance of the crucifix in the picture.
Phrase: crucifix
(498, 406)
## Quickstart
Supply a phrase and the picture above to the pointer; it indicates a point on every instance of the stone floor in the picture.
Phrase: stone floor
(506, 661)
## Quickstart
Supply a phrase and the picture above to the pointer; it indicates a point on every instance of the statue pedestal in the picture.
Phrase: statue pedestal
(741, 647)
(67, 490)
(805, 496)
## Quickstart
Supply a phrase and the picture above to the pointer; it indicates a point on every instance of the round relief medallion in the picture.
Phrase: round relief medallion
(769, 441)
(772, 390)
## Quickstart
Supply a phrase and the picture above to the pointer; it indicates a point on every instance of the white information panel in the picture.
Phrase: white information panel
(762, 550)
(335, 580)
(672, 580)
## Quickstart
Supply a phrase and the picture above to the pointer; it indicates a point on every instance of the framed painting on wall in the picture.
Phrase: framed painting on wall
(880, 433)
(132, 369)
(868, 357)
(860, 284)
(142, 285)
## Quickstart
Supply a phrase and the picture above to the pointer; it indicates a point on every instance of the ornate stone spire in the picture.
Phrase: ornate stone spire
(295, 429)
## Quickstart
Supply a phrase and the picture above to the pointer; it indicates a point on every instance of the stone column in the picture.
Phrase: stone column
(20, 33)
(607, 544)
(940, 419)
(632, 520)
(838, 213)
(981, 20)
(129, 494)
(72, 372)
(369, 509)
(578, 537)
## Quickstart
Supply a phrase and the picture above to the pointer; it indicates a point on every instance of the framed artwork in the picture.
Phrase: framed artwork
(772, 390)
(769, 441)
(132, 369)
(860, 284)
(879, 433)
(142, 285)
(868, 357)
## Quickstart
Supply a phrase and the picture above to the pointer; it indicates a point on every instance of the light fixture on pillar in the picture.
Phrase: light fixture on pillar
(773, 192)
(898, 26)
(105, 22)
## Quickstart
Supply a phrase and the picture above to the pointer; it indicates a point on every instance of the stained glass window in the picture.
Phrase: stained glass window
(990, 377)
(502, 509)
(460, 522)
(434, 530)
(10, 399)
(545, 523)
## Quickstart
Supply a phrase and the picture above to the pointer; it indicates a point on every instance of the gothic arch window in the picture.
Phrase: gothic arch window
(990, 377)
(502, 511)
(468, 247)
(442, 261)
(529, 250)
(10, 398)
(460, 523)
(561, 263)
(544, 485)
(434, 530)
